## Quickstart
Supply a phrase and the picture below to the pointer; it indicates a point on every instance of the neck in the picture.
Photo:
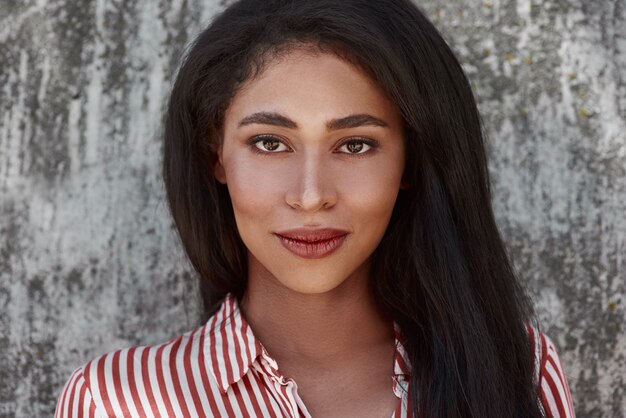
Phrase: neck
(322, 327)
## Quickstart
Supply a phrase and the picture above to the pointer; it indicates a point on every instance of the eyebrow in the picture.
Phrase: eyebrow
(276, 119)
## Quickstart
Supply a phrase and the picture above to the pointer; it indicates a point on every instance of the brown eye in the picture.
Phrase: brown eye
(268, 144)
(357, 146)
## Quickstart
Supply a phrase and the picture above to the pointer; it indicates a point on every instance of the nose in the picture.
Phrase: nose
(311, 188)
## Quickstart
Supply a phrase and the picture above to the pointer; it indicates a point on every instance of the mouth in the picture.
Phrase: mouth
(312, 243)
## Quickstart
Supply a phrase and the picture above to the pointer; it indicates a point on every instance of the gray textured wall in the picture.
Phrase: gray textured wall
(88, 257)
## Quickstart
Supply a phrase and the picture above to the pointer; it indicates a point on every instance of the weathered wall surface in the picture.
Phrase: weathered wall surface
(88, 257)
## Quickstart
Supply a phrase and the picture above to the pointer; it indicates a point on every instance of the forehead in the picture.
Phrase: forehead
(306, 81)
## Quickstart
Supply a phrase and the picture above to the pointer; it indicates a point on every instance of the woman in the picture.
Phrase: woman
(325, 168)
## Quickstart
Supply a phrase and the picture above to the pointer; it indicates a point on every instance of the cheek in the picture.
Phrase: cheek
(373, 190)
(370, 211)
(253, 188)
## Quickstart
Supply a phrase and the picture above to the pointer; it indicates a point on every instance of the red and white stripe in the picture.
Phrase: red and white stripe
(222, 370)
(553, 388)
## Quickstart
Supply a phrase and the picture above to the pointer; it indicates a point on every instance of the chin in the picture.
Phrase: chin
(306, 277)
(310, 284)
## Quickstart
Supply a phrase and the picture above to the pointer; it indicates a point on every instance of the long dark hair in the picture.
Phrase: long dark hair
(441, 270)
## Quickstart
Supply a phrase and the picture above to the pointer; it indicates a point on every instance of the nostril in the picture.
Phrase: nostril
(311, 201)
(311, 188)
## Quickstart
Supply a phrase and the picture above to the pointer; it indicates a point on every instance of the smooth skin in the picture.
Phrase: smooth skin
(313, 142)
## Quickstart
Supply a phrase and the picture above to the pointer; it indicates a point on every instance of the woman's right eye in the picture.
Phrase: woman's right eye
(268, 144)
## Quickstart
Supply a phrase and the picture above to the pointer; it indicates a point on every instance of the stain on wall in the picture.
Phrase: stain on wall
(89, 259)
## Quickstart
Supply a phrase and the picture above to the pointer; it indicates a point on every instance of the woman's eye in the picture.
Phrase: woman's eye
(269, 144)
(357, 146)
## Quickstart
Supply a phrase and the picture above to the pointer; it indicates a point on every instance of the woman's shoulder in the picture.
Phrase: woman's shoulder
(186, 376)
(137, 379)
(552, 382)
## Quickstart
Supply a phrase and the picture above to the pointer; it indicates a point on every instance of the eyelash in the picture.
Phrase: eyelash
(373, 144)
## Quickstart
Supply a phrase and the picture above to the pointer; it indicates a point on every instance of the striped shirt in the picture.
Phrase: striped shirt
(221, 369)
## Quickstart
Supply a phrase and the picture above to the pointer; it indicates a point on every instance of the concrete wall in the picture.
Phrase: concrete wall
(88, 257)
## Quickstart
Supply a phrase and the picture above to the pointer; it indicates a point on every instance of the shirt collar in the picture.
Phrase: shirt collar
(402, 364)
(232, 348)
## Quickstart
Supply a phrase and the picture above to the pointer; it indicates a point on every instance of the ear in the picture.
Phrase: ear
(218, 170)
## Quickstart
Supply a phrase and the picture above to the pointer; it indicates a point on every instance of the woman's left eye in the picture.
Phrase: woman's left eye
(357, 146)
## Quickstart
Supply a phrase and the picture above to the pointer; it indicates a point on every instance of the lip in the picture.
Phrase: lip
(312, 243)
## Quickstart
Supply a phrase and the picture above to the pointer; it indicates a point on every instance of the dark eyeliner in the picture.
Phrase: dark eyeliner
(262, 137)
(370, 142)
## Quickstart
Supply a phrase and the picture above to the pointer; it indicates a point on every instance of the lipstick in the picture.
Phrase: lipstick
(312, 243)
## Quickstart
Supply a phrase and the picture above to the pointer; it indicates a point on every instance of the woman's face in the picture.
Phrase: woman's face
(311, 143)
